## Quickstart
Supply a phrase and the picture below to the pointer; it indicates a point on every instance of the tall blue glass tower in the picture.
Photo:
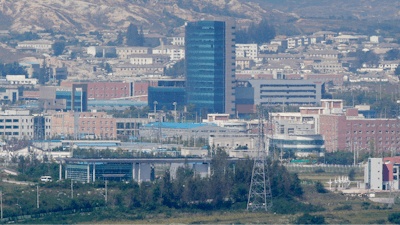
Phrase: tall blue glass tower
(210, 66)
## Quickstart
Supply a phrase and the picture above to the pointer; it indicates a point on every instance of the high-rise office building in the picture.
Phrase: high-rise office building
(210, 66)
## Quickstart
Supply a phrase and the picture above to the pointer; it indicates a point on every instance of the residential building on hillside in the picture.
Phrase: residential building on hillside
(36, 45)
(174, 52)
(101, 51)
(21, 80)
(180, 41)
(148, 59)
(246, 50)
(126, 52)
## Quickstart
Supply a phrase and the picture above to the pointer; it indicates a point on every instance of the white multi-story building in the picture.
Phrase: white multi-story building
(35, 45)
(21, 124)
(246, 50)
(373, 171)
(148, 59)
(21, 79)
(180, 41)
(175, 53)
(101, 50)
(126, 52)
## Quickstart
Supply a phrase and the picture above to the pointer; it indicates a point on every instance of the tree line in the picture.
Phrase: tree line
(226, 188)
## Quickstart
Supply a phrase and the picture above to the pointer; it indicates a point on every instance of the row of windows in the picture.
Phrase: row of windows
(373, 125)
(367, 143)
(94, 128)
(112, 95)
(373, 132)
(123, 88)
(17, 120)
(373, 138)
(94, 122)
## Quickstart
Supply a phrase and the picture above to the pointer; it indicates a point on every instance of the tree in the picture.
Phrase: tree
(393, 54)
(397, 71)
(320, 187)
(352, 174)
(108, 68)
(310, 219)
(58, 47)
(120, 38)
(133, 37)
(394, 218)
(177, 69)
(256, 33)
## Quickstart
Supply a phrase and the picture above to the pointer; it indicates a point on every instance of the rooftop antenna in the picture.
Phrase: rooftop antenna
(260, 195)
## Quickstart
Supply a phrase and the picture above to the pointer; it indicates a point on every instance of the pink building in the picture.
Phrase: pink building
(105, 90)
(348, 131)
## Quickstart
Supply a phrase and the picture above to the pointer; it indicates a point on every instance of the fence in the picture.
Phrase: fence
(323, 167)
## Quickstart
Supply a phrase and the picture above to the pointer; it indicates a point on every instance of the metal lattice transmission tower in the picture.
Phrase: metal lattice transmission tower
(260, 196)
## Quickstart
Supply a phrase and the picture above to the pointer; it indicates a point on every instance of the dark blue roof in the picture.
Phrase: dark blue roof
(179, 125)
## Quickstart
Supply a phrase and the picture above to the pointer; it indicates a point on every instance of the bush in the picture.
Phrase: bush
(309, 219)
(365, 205)
(320, 187)
(344, 207)
(394, 218)
(285, 206)
(352, 174)
(319, 170)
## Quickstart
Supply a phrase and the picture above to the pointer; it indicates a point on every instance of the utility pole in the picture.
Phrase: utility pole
(1, 199)
(37, 196)
(175, 103)
(106, 192)
(72, 189)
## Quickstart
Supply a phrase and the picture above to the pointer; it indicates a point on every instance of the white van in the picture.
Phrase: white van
(45, 178)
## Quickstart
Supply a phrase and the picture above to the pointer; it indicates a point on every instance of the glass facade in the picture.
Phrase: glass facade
(205, 65)
(105, 171)
(299, 145)
(78, 103)
(166, 96)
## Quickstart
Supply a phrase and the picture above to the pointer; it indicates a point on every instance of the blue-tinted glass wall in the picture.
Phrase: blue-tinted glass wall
(210, 63)
(166, 96)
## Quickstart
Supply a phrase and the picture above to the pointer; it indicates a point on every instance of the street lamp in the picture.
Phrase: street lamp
(175, 103)
(155, 107)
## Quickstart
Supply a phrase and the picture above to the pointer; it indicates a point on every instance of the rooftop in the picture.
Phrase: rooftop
(180, 125)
